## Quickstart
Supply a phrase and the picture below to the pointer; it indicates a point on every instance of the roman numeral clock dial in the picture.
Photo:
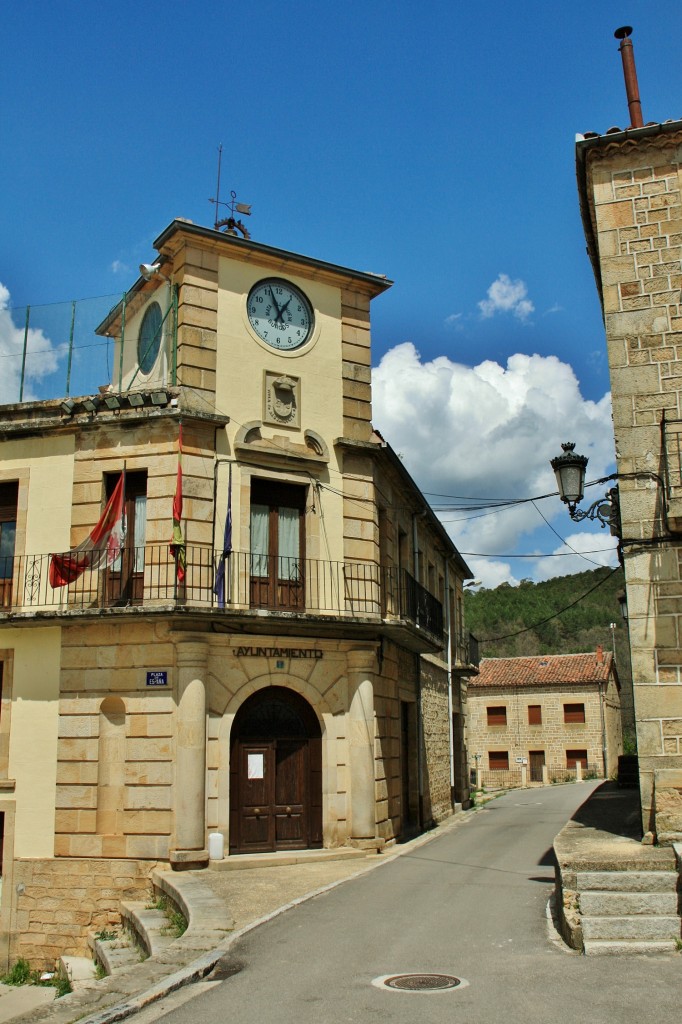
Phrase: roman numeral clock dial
(280, 314)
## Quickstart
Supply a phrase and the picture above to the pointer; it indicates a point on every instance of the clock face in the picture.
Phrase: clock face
(280, 314)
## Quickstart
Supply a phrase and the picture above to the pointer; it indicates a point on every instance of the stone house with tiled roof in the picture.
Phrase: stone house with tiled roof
(545, 715)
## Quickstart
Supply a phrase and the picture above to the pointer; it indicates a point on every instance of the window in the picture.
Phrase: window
(8, 530)
(574, 714)
(149, 340)
(126, 576)
(497, 715)
(535, 714)
(574, 757)
(498, 760)
(277, 544)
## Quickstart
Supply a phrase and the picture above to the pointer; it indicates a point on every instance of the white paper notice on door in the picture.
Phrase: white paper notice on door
(256, 766)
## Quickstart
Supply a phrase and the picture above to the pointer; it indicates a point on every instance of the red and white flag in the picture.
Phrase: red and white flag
(99, 550)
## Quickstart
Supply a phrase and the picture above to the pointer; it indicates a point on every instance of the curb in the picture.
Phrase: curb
(204, 964)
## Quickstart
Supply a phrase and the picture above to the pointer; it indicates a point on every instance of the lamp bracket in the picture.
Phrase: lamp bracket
(605, 510)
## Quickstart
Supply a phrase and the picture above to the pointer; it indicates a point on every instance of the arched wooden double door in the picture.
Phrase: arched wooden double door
(275, 774)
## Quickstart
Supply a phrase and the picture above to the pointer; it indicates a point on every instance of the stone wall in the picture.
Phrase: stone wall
(634, 192)
(554, 737)
(119, 805)
(436, 727)
(57, 902)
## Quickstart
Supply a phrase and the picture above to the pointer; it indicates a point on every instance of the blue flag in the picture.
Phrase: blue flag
(219, 585)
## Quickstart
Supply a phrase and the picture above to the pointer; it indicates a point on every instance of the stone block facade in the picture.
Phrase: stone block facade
(630, 186)
(542, 711)
(59, 902)
(316, 700)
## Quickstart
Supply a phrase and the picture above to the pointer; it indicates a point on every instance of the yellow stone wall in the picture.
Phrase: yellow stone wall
(553, 736)
(635, 196)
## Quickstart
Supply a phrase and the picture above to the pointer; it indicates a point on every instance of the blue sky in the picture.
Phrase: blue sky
(431, 142)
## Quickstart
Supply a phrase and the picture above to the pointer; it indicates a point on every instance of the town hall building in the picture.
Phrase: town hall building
(226, 606)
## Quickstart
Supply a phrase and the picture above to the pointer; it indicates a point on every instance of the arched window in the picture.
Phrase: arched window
(149, 340)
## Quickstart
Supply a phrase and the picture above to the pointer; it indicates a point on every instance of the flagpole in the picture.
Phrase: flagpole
(229, 554)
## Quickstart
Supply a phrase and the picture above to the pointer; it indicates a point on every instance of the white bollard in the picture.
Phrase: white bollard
(216, 846)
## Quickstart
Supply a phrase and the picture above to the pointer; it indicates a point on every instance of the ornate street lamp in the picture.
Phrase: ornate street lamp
(569, 469)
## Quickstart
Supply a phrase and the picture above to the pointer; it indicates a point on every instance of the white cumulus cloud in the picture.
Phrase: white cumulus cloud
(507, 296)
(41, 355)
(488, 432)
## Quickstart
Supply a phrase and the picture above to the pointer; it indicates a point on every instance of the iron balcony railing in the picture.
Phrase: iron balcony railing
(149, 576)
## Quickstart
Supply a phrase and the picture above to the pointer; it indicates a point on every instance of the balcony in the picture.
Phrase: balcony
(302, 595)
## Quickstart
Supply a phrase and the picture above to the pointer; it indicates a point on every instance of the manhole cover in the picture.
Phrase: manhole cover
(421, 982)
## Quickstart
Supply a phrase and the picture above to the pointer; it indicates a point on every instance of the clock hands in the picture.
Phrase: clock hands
(279, 311)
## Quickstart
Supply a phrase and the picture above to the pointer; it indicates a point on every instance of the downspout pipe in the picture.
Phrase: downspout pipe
(418, 672)
(448, 640)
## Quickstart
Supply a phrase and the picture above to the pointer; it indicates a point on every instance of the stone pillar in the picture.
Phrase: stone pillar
(545, 775)
(190, 755)
(524, 776)
(361, 749)
(578, 771)
(479, 778)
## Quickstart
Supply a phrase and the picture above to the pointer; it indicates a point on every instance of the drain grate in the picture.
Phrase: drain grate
(421, 982)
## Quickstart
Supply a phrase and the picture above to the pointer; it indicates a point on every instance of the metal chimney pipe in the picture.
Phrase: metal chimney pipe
(630, 73)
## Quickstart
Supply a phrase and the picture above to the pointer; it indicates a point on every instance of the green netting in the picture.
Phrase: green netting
(50, 351)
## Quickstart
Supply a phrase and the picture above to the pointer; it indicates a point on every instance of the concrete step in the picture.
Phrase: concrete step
(78, 969)
(610, 947)
(638, 927)
(150, 926)
(115, 954)
(627, 881)
(624, 904)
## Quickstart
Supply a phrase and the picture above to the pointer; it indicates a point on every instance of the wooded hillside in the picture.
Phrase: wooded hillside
(564, 615)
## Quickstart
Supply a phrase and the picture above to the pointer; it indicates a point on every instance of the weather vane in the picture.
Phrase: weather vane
(230, 224)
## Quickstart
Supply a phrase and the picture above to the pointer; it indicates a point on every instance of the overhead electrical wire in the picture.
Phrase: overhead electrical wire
(555, 615)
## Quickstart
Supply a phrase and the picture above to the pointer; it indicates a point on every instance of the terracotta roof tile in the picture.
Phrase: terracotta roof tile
(543, 670)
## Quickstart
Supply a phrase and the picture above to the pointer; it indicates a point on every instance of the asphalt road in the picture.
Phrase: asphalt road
(471, 904)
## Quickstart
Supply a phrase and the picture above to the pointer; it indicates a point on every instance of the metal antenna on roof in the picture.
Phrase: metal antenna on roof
(230, 224)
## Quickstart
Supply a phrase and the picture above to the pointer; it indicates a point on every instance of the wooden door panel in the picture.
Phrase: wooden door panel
(289, 774)
(256, 790)
(290, 793)
(537, 760)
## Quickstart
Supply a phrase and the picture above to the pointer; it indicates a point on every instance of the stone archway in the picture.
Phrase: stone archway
(275, 774)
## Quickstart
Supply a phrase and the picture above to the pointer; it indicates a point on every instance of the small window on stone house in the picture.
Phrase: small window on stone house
(535, 714)
(497, 715)
(573, 757)
(498, 760)
(574, 714)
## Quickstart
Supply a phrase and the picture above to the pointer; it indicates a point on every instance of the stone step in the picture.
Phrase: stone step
(149, 925)
(611, 947)
(115, 954)
(624, 904)
(78, 969)
(637, 927)
(627, 881)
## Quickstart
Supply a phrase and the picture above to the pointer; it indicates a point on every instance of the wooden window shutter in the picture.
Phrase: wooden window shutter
(497, 715)
(535, 714)
(574, 714)
(498, 760)
(575, 756)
